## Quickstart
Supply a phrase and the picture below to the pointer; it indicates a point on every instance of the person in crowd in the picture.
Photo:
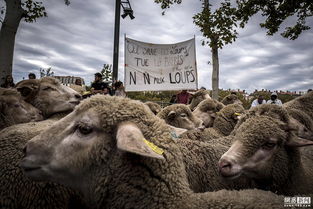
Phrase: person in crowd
(106, 91)
(309, 90)
(119, 89)
(8, 83)
(98, 86)
(274, 99)
(203, 88)
(260, 100)
(31, 76)
(78, 86)
(183, 97)
(173, 99)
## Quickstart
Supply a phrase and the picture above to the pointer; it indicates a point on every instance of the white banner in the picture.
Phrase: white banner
(160, 67)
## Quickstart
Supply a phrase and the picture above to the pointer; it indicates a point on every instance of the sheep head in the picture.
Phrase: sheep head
(231, 99)
(98, 130)
(198, 97)
(180, 116)
(154, 107)
(48, 95)
(15, 110)
(206, 111)
(262, 146)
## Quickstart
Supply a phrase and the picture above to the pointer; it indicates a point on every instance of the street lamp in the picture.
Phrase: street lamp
(127, 12)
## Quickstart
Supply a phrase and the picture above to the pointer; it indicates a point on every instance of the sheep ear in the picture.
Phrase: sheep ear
(299, 142)
(206, 96)
(130, 138)
(177, 131)
(171, 115)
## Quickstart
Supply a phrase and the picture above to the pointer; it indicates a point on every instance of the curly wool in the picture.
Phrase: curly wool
(201, 159)
(125, 180)
(230, 99)
(5, 120)
(178, 109)
(17, 191)
(223, 125)
(291, 173)
(210, 105)
(154, 107)
(303, 103)
(198, 97)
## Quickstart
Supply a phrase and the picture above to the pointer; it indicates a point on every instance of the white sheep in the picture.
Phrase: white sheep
(266, 149)
(120, 155)
(48, 95)
(14, 110)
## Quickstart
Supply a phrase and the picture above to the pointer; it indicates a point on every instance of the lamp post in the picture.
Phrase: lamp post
(127, 11)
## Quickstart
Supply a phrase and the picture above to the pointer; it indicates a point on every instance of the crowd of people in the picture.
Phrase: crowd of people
(273, 100)
(117, 89)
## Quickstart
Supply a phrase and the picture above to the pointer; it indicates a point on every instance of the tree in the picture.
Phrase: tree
(276, 12)
(45, 73)
(107, 72)
(219, 29)
(15, 11)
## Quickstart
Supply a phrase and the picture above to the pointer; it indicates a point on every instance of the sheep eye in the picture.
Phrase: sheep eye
(47, 88)
(85, 130)
(269, 145)
(183, 115)
(16, 105)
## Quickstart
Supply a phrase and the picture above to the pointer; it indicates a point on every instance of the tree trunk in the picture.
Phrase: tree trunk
(13, 16)
(215, 72)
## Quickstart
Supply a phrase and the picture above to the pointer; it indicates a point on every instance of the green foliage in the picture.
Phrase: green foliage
(161, 96)
(106, 72)
(45, 73)
(276, 12)
(165, 4)
(33, 9)
(218, 26)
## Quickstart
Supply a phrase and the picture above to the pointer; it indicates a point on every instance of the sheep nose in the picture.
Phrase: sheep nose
(225, 167)
(25, 150)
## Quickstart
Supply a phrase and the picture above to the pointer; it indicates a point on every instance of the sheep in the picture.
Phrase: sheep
(119, 155)
(16, 191)
(231, 99)
(265, 148)
(48, 95)
(180, 116)
(303, 103)
(202, 171)
(15, 110)
(206, 111)
(13, 138)
(154, 107)
(197, 97)
(302, 122)
(300, 109)
(223, 125)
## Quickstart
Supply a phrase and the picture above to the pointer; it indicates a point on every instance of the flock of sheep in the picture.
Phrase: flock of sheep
(58, 152)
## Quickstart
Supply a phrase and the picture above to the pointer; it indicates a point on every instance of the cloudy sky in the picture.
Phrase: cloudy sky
(78, 39)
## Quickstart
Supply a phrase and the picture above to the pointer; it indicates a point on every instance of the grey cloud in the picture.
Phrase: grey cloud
(78, 40)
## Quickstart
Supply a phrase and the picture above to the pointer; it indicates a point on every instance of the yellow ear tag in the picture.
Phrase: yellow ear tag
(155, 148)
(236, 113)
